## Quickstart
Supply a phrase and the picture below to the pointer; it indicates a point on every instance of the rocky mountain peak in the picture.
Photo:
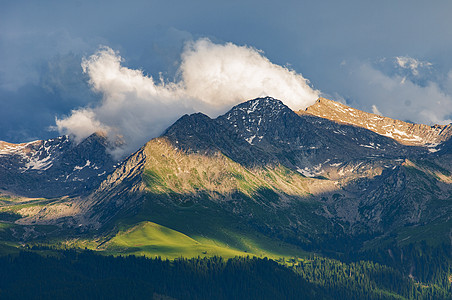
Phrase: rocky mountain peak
(256, 118)
(403, 132)
(56, 167)
(268, 106)
(190, 123)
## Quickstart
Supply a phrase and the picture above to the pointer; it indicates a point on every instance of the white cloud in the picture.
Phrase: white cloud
(399, 97)
(212, 78)
(223, 75)
(375, 110)
(81, 124)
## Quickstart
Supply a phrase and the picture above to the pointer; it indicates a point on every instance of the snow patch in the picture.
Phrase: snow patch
(250, 139)
(39, 164)
(371, 145)
(432, 147)
(253, 107)
(78, 168)
(340, 132)
(315, 171)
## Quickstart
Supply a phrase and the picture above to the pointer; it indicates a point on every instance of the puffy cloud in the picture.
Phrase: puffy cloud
(223, 75)
(375, 110)
(81, 124)
(399, 97)
(211, 79)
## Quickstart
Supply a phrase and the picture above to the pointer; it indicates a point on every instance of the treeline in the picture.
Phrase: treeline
(367, 280)
(70, 274)
(413, 271)
(86, 275)
(424, 262)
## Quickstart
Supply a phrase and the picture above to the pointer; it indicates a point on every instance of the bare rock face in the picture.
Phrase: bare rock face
(55, 167)
(403, 132)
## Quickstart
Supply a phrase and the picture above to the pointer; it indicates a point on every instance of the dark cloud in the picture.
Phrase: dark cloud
(337, 46)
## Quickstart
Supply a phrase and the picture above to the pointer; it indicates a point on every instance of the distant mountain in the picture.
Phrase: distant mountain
(403, 132)
(55, 167)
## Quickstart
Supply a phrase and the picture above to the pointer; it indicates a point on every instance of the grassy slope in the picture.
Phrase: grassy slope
(209, 226)
(169, 170)
(151, 239)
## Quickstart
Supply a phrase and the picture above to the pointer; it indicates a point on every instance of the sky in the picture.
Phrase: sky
(132, 68)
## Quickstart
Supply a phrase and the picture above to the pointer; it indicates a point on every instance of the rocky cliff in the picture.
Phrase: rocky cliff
(54, 167)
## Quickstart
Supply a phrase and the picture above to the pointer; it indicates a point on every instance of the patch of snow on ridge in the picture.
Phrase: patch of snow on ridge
(253, 106)
(6, 148)
(305, 172)
(78, 168)
(32, 159)
(402, 135)
(17, 149)
(371, 145)
(388, 134)
(432, 148)
(315, 171)
(399, 132)
(39, 164)
(250, 139)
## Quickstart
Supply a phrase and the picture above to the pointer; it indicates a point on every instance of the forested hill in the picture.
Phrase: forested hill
(86, 275)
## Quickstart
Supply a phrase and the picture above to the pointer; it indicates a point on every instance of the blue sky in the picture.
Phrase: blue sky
(388, 57)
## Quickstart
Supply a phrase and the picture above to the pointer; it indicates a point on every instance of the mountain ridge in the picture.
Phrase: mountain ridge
(403, 132)
(55, 167)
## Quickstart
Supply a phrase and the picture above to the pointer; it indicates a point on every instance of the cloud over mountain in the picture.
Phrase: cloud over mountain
(400, 95)
(211, 78)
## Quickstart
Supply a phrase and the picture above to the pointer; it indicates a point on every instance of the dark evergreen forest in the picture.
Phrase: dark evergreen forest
(70, 274)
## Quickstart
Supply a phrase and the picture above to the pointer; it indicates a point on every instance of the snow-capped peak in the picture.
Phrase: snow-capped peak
(250, 118)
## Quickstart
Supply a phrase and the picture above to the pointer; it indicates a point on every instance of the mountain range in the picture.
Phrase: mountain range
(330, 192)
(261, 177)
